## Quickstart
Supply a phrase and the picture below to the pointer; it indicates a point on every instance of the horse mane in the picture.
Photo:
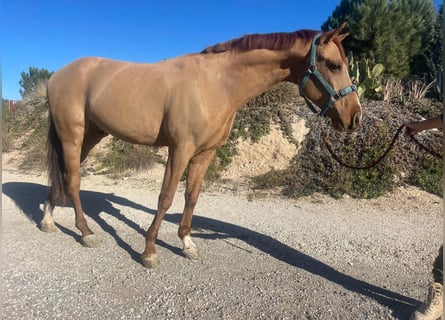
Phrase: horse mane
(270, 41)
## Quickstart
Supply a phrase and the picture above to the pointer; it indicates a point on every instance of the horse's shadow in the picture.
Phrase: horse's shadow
(29, 196)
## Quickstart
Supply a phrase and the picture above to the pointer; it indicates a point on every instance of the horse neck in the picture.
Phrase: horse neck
(253, 72)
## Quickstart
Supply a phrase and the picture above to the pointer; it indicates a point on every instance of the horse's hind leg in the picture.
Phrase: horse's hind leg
(92, 137)
(72, 140)
(197, 170)
(47, 224)
(72, 160)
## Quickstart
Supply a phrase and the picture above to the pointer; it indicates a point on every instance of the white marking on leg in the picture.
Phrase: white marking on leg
(190, 250)
(188, 243)
(47, 224)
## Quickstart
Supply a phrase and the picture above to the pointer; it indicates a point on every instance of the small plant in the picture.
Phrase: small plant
(393, 89)
(417, 90)
(368, 77)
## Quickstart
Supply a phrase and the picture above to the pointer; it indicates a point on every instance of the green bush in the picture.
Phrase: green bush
(276, 105)
(323, 174)
(314, 170)
(428, 175)
(377, 181)
(221, 162)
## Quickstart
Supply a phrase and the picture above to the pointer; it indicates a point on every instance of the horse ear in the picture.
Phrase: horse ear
(336, 33)
(341, 37)
(341, 28)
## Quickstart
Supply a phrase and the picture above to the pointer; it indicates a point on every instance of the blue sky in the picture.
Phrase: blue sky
(49, 34)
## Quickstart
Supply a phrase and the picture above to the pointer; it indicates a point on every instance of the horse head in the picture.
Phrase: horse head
(326, 82)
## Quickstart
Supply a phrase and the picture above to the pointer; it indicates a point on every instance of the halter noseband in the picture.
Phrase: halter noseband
(312, 71)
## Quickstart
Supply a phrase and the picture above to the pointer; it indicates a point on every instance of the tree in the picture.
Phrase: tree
(30, 81)
(438, 39)
(424, 62)
(396, 33)
(437, 51)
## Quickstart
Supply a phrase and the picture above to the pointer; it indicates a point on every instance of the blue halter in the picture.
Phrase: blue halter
(312, 71)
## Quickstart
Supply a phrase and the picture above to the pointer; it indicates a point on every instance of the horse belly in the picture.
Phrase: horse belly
(130, 123)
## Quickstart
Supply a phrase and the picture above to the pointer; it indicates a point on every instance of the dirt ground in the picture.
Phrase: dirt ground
(264, 256)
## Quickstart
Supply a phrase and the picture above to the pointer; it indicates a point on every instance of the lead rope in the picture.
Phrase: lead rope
(373, 163)
(425, 148)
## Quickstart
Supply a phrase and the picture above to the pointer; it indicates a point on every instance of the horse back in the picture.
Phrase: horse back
(152, 104)
(116, 96)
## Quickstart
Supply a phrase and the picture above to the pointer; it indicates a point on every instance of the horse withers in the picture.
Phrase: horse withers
(187, 104)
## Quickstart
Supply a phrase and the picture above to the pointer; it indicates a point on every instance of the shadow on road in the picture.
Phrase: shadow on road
(29, 196)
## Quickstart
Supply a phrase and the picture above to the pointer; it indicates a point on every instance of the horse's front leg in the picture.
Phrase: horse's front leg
(176, 164)
(197, 170)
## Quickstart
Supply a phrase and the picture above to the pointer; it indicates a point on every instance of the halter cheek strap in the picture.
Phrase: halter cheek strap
(312, 71)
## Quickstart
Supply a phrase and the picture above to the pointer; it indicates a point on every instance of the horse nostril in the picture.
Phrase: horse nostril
(355, 123)
(356, 120)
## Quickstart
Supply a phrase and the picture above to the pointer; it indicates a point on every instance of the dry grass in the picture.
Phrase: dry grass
(417, 90)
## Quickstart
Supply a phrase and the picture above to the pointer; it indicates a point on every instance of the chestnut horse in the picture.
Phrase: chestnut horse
(188, 104)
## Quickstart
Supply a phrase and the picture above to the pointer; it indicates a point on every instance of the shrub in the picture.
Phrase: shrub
(428, 176)
(314, 170)
(273, 106)
(221, 162)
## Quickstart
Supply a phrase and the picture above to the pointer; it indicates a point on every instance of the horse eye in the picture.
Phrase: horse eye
(333, 66)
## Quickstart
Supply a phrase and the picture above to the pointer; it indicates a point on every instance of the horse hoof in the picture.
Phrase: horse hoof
(48, 227)
(151, 261)
(89, 241)
(192, 254)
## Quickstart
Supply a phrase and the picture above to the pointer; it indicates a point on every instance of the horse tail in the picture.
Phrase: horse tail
(55, 166)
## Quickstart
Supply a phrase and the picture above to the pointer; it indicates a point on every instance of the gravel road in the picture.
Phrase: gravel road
(264, 257)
